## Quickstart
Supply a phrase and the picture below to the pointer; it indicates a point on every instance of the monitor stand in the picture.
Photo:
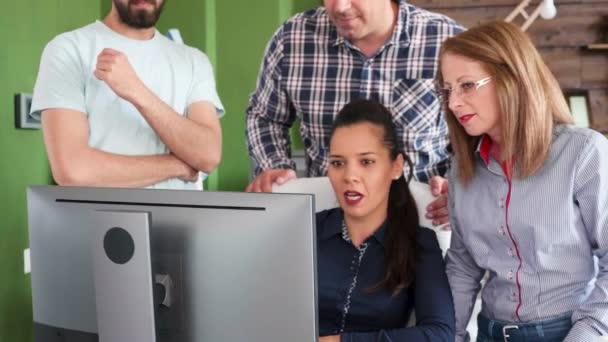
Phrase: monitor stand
(123, 276)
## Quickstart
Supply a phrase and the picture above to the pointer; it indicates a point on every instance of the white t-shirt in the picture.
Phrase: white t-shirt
(180, 75)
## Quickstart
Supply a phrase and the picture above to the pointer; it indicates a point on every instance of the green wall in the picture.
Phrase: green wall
(232, 33)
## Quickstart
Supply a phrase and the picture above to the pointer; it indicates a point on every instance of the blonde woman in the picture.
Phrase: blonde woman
(528, 195)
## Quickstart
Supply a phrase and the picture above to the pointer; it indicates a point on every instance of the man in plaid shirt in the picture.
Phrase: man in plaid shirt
(322, 59)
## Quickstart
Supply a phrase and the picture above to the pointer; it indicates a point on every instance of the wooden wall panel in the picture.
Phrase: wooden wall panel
(562, 41)
(594, 72)
(565, 63)
(598, 100)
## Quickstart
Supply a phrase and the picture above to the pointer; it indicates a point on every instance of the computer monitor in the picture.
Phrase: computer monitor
(242, 265)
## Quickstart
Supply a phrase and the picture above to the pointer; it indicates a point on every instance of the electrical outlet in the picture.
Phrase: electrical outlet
(27, 264)
(23, 119)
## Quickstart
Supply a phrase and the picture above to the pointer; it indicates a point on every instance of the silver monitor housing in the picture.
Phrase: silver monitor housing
(242, 265)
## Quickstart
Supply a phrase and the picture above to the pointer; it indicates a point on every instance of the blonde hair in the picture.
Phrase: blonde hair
(529, 97)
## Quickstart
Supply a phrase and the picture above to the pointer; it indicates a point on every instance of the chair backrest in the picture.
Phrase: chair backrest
(325, 198)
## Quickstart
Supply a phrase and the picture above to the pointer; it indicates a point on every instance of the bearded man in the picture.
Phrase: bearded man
(123, 106)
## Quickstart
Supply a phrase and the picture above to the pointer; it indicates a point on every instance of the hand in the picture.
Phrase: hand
(187, 173)
(114, 69)
(263, 182)
(333, 338)
(438, 209)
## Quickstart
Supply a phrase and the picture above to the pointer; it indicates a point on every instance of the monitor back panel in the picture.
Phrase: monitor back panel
(243, 265)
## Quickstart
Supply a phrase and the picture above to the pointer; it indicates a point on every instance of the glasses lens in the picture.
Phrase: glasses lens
(443, 94)
(467, 88)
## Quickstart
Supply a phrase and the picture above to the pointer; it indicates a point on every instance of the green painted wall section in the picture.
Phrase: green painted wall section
(25, 27)
(303, 5)
(106, 5)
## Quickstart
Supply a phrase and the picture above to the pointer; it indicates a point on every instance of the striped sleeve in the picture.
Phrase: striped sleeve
(591, 195)
(463, 273)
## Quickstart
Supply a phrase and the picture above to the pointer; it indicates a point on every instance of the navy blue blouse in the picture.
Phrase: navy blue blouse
(345, 274)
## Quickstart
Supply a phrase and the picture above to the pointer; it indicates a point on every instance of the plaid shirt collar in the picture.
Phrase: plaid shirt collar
(399, 37)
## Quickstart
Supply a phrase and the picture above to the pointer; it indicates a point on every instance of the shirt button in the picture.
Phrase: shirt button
(501, 203)
(510, 252)
(501, 230)
(510, 275)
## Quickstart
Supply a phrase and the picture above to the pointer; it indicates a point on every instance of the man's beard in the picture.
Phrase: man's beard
(138, 18)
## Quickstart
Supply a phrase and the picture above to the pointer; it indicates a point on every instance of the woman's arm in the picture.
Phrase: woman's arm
(591, 196)
(463, 273)
(465, 281)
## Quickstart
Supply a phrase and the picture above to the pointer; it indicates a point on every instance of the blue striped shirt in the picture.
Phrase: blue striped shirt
(310, 72)
(543, 239)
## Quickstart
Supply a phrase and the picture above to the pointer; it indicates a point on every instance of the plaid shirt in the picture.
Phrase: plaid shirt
(310, 72)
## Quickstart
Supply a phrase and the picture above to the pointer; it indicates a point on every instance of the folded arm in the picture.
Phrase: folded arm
(74, 162)
(196, 138)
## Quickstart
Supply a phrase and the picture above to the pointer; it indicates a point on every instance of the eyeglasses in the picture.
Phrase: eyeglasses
(462, 90)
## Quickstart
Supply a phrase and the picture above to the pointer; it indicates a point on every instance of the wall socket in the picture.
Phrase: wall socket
(23, 119)
(27, 264)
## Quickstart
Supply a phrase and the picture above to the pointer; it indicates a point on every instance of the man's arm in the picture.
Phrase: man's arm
(263, 182)
(195, 139)
(269, 116)
(74, 162)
